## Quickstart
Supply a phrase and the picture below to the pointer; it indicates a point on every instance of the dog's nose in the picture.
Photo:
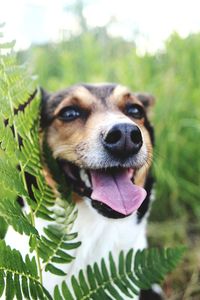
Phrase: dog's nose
(123, 140)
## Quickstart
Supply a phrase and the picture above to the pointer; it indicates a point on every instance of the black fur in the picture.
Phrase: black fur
(145, 204)
(30, 181)
(150, 295)
(150, 129)
(106, 211)
(101, 93)
(150, 179)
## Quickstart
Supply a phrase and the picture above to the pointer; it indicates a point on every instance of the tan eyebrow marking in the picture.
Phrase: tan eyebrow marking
(80, 96)
(121, 95)
(119, 92)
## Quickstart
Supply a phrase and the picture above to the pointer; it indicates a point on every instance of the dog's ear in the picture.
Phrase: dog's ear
(44, 115)
(147, 100)
(44, 95)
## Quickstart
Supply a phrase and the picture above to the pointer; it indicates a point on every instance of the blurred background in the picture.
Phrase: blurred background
(151, 46)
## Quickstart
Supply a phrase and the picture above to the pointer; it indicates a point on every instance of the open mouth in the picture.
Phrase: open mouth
(111, 190)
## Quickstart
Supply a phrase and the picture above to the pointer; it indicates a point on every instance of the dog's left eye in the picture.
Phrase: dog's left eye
(135, 111)
(70, 113)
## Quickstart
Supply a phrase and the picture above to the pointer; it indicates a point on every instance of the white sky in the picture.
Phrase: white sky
(35, 21)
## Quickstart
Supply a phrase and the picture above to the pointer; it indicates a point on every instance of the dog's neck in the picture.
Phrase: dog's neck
(100, 234)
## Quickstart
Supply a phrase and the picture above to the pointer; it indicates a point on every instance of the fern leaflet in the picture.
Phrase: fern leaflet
(57, 241)
(18, 277)
(134, 272)
(7, 142)
(11, 212)
(19, 137)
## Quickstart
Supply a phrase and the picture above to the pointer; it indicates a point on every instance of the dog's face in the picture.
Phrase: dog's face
(102, 139)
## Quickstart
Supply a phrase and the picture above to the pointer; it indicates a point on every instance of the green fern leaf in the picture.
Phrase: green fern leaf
(3, 228)
(11, 212)
(26, 119)
(17, 287)
(15, 88)
(10, 177)
(66, 292)
(10, 291)
(7, 141)
(83, 284)
(29, 155)
(54, 245)
(2, 282)
(18, 277)
(19, 141)
(44, 197)
(56, 271)
(57, 294)
(9, 208)
(14, 78)
(133, 273)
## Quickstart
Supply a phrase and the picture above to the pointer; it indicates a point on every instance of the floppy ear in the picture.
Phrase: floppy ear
(44, 95)
(44, 115)
(147, 100)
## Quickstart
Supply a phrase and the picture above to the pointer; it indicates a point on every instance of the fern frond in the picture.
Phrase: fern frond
(12, 214)
(26, 123)
(29, 154)
(14, 78)
(10, 177)
(3, 228)
(18, 277)
(31, 163)
(14, 92)
(45, 198)
(19, 138)
(22, 90)
(7, 141)
(57, 241)
(16, 86)
(26, 119)
(27, 126)
(52, 246)
(134, 272)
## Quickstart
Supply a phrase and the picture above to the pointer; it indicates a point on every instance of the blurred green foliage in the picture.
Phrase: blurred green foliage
(172, 75)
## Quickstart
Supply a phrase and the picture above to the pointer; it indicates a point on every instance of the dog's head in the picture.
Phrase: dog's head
(102, 139)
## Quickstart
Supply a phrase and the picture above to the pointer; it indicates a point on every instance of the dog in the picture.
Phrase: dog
(101, 137)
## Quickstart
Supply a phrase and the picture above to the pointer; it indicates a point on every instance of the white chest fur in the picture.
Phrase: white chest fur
(98, 235)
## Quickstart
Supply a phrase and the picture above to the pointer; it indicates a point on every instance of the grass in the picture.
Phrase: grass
(183, 283)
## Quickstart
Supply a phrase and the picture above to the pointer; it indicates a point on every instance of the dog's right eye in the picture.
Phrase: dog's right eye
(69, 113)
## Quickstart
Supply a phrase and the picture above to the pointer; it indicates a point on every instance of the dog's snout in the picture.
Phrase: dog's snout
(123, 140)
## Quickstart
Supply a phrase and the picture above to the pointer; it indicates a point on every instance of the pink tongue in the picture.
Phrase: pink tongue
(117, 191)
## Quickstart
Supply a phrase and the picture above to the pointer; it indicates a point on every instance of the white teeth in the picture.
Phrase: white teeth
(85, 178)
